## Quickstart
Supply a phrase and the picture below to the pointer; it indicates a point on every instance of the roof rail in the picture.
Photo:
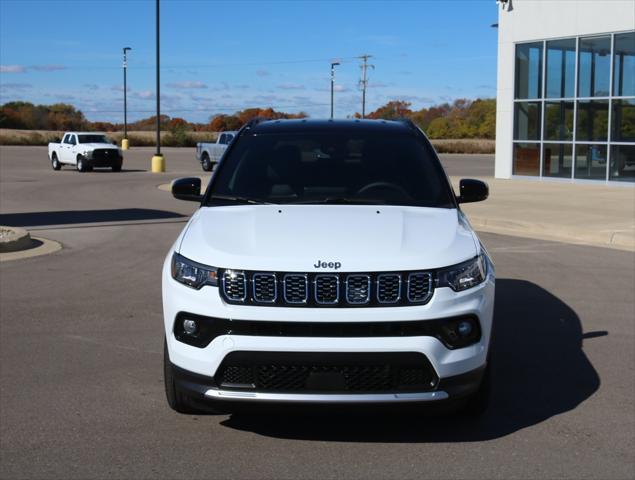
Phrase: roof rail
(251, 123)
(254, 121)
(408, 123)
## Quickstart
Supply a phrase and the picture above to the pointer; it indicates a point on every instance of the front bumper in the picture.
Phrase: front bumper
(459, 371)
(200, 386)
(103, 161)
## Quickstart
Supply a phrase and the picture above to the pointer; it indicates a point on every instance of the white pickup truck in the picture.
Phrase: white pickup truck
(85, 150)
(209, 154)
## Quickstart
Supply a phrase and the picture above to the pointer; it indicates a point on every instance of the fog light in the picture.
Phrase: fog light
(190, 326)
(464, 328)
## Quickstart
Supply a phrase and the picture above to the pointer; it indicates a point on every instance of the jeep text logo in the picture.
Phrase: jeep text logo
(320, 264)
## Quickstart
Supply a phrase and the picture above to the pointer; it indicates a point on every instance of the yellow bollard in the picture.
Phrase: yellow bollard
(124, 144)
(158, 164)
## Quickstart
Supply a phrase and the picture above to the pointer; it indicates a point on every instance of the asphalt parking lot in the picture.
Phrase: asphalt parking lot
(81, 386)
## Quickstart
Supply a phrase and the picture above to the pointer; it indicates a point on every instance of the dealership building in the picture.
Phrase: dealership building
(566, 90)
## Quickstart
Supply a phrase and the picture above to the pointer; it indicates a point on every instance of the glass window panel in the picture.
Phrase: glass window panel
(527, 120)
(594, 67)
(623, 121)
(593, 120)
(529, 70)
(624, 65)
(560, 68)
(557, 160)
(558, 120)
(527, 159)
(590, 162)
(622, 163)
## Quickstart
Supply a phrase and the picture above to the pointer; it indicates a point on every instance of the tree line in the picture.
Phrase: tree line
(461, 119)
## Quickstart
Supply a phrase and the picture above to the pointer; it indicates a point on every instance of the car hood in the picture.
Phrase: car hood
(93, 146)
(360, 238)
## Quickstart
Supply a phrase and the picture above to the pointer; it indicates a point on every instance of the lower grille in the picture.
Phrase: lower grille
(330, 372)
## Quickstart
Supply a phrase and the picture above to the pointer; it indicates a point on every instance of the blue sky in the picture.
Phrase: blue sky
(219, 57)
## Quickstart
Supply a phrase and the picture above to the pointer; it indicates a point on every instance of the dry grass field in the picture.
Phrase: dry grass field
(141, 139)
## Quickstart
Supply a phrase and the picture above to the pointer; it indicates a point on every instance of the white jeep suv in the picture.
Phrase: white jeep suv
(329, 262)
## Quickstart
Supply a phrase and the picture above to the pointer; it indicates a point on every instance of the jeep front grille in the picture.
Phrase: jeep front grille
(265, 287)
(383, 289)
(295, 288)
(235, 285)
(419, 286)
(388, 287)
(327, 289)
(358, 289)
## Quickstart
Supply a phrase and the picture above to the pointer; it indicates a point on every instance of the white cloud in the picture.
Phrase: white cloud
(187, 84)
(290, 86)
(47, 68)
(16, 86)
(337, 88)
(144, 95)
(12, 69)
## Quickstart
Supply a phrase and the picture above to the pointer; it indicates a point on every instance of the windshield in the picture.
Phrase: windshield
(348, 168)
(93, 139)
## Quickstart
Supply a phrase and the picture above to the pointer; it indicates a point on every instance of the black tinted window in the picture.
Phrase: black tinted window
(372, 168)
(93, 139)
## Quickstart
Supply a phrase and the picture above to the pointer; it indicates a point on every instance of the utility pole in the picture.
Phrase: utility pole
(124, 142)
(333, 64)
(158, 162)
(364, 81)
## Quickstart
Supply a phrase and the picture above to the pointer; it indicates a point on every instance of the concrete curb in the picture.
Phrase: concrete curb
(13, 239)
(40, 246)
(619, 240)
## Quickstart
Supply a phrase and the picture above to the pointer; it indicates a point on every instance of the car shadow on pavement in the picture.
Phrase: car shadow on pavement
(66, 217)
(539, 370)
(123, 170)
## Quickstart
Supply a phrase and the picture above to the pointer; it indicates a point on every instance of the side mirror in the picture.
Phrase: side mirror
(188, 189)
(472, 191)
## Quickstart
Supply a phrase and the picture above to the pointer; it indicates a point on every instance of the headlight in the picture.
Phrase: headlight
(87, 153)
(464, 275)
(193, 274)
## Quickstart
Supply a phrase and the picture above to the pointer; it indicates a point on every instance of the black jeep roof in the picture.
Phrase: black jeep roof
(305, 125)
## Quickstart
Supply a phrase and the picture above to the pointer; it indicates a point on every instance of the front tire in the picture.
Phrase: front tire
(116, 168)
(206, 163)
(177, 400)
(81, 164)
(55, 163)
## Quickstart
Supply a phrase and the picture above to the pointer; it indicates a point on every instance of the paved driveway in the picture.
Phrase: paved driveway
(81, 392)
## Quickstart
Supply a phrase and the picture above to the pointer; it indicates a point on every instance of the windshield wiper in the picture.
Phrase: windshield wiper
(342, 201)
(238, 199)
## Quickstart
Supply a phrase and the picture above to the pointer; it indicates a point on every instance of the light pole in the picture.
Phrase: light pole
(124, 142)
(333, 65)
(158, 162)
